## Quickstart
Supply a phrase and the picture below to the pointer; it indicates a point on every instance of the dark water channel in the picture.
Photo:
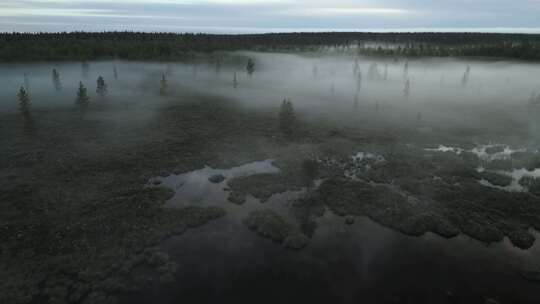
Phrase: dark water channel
(225, 262)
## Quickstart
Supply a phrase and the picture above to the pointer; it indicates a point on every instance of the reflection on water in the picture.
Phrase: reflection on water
(224, 262)
(196, 187)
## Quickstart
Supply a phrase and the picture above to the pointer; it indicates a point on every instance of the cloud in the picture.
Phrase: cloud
(341, 11)
(267, 15)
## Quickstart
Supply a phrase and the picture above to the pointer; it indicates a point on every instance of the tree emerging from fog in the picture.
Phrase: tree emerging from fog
(57, 83)
(235, 81)
(101, 88)
(466, 76)
(358, 81)
(163, 85)
(115, 73)
(287, 117)
(356, 67)
(406, 70)
(407, 88)
(250, 66)
(82, 96)
(24, 102)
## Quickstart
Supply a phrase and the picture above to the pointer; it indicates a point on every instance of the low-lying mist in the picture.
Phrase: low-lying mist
(340, 88)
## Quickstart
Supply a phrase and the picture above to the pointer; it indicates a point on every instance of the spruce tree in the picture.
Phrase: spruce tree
(235, 81)
(115, 73)
(24, 108)
(466, 76)
(287, 118)
(359, 81)
(407, 88)
(163, 85)
(101, 88)
(57, 83)
(82, 96)
(24, 102)
(250, 66)
(356, 67)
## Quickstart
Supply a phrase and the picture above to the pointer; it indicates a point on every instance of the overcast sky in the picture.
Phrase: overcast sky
(241, 16)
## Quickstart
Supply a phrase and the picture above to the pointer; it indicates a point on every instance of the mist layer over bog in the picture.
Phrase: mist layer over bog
(407, 179)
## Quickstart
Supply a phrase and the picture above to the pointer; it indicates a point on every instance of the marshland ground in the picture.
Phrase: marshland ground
(391, 180)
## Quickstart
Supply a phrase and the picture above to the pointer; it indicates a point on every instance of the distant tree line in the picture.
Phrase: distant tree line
(169, 46)
(515, 49)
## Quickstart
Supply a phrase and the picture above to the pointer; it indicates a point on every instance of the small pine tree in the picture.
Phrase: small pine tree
(407, 88)
(82, 96)
(359, 81)
(250, 66)
(24, 102)
(356, 67)
(287, 118)
(57, 83)
(466, 76)
(163, 86)
(101, 88)
(115, 73)
(235, 81)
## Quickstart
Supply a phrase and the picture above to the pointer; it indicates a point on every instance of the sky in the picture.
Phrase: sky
(259, 16)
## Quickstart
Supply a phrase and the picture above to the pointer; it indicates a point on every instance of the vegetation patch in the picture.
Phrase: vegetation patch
(497, 179)
(269, 224)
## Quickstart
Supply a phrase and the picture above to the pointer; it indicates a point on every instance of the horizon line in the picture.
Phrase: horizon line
(262, 31)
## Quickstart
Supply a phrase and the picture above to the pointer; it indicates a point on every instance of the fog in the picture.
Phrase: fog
(328, 85)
